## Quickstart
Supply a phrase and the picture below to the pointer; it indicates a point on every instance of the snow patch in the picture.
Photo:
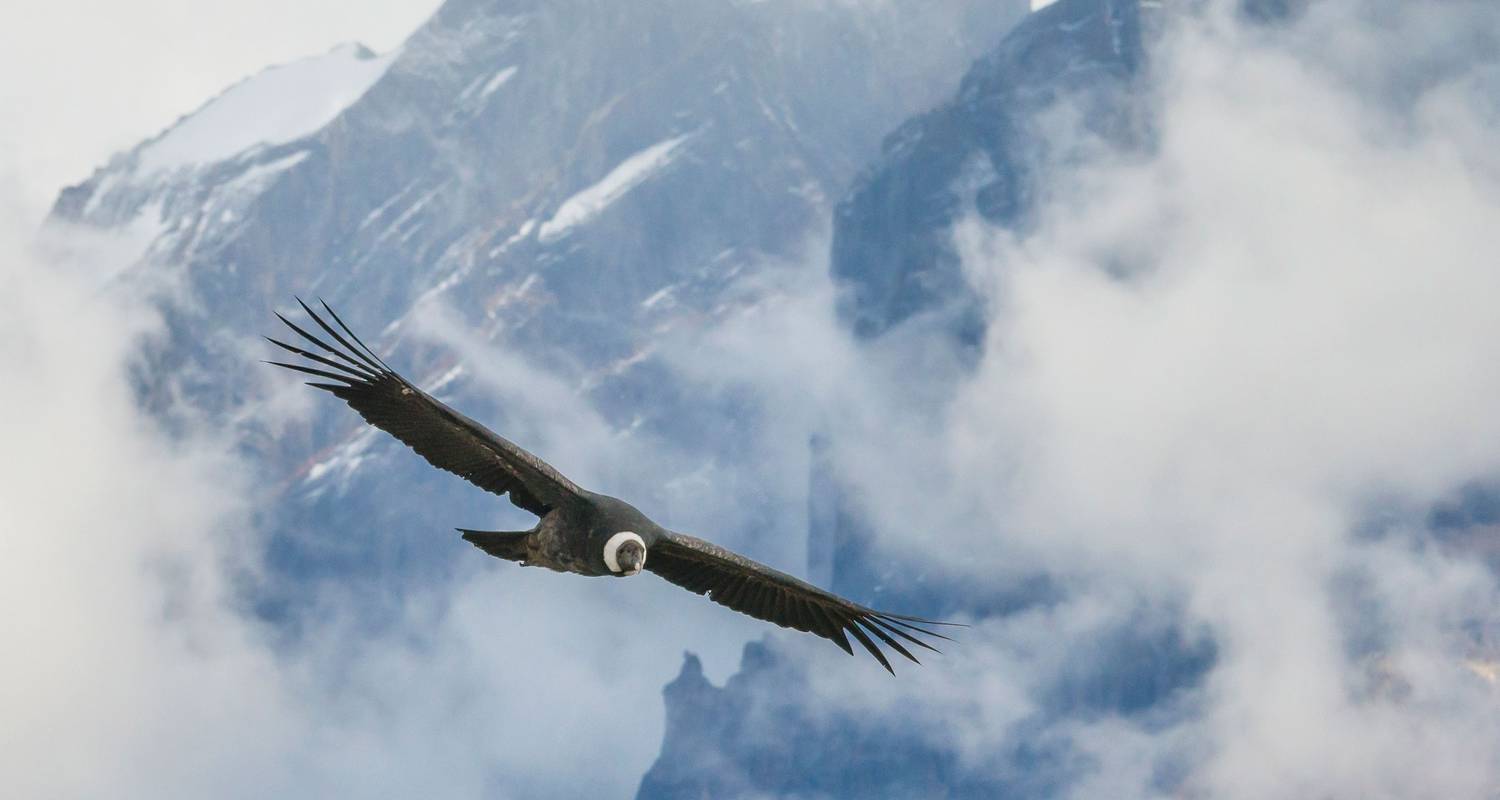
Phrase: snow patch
(446, 378)
(616, 368)
(526, 229)
(511, 295)
(104, 187)
(255, 176)
(280, 104)
(496, 82)
(632, 172)
(659, 297)
(376, 214)
(345, 460)
(406, 216)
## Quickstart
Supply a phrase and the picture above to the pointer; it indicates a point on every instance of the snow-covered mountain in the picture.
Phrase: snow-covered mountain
(976, 155)
(579, 179)
(981, 154)
(973, 155)
(574, 178)
(582, 179)
(529, 197)
(542, 203)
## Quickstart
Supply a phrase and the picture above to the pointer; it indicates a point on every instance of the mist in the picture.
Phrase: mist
(1225, 380)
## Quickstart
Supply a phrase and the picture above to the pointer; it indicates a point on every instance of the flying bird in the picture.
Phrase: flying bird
(579, 531)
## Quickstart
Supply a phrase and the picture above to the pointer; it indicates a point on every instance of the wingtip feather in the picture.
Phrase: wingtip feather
(925, 621)
(310, 371)
(353, 351)
(903, 634)
(336, 318)
(923, 631)
(870, 645)
(884, 637)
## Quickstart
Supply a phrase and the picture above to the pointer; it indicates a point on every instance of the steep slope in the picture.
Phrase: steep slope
(980, 155)
(974, 155)
(572, 177)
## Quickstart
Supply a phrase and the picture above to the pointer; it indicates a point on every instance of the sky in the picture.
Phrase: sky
(1225, 381)
(83, 79)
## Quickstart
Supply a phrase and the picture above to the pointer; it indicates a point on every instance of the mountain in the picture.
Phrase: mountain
(537, 201)
(978, 154)
(575, 178)
(578, 180)
(975, 154)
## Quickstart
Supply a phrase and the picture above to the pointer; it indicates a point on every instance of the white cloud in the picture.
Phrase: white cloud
(1210, 367)
(117, 549)
(1210, 362)
(1206, 364)
(135, 670)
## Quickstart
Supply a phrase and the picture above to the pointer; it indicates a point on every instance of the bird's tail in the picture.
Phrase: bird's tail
(509, 545)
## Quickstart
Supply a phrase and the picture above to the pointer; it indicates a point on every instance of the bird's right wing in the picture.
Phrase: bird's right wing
(752, 588)
(447, 439)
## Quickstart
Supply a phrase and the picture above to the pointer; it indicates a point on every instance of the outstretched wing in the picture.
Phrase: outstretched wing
(447, 439)
(748, 587)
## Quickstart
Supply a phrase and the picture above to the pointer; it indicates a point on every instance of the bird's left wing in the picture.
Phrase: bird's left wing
(752, 588)
(447, 439)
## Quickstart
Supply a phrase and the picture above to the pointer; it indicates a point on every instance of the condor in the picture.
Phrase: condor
(580, 531)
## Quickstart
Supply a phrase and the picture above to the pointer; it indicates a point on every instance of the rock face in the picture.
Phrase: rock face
(574, 177)
(763, 734)
(838, 756)
(578, 178)
(976, 154)
(980, 154)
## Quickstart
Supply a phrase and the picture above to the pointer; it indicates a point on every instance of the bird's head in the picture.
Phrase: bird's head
(625, 553)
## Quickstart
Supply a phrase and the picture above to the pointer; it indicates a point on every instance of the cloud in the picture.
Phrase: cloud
(1225, 380)
(1213, 369)
(119, 543)
(1211, 365)
(137, 671)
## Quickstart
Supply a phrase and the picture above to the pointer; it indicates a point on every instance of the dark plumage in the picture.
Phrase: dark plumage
(580, 531)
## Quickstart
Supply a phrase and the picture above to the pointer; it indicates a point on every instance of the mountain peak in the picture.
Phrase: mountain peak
(277, 105)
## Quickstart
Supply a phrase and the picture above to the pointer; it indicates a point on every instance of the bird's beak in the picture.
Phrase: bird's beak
(631, 560)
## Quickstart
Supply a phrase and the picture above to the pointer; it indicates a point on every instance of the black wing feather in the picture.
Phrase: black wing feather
(338, 365)
(748, 587)
(908, 637)
(447, 439)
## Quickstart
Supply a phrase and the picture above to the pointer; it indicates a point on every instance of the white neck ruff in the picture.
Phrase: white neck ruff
(612, 548)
